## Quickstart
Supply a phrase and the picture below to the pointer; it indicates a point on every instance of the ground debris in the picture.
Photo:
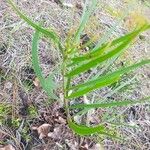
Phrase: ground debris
(7, 147)
(79, 5)
(42, 130)
(36, 83)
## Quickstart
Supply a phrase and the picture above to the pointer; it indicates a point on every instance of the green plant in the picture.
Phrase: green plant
(75, 63)
(5, 111)
(32, 111)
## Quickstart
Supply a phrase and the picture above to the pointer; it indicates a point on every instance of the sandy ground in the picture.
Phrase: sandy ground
(17, 76)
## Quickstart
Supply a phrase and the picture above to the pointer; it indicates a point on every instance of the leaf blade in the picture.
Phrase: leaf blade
(111, 75)
(99, 50)
(95, 86)
(85, 16)
(111, 104)
(45, 82)
(94, 62)
(46, 32)
(84, 130)
(98, 60)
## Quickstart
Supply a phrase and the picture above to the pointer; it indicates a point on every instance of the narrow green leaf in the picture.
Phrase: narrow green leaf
(47, 84)
(112, 75)
(85, 16)
(113, 136)
(112, 104)
(94, 62)
(88, 56)
(100, 50)
(123, 124)
(93, 87)
(121, 86)
(99, 59)
(84, 130)
(48, 33)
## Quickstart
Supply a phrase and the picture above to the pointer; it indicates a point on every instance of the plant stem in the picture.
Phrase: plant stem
(65, 87)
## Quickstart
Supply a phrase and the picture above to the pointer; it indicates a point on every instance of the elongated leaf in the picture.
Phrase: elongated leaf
(86, 14)
(112, 104)
(100, 50)
(88, 56)
(107, 34)
(123, 124)
(49, 33)
(47, 84)
(121, 86)
(94, 62)
(112, 75)
(93, 87)
(84, 130)
(113, 136)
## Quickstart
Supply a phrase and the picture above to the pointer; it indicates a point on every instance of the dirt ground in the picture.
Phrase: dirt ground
(24, 106)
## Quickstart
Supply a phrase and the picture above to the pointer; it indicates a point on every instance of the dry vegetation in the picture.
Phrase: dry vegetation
(28, 120)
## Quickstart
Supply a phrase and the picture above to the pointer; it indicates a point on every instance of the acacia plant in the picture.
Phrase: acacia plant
(75, 63)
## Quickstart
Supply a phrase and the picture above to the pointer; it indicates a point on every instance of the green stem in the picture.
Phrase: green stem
(65, 87)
